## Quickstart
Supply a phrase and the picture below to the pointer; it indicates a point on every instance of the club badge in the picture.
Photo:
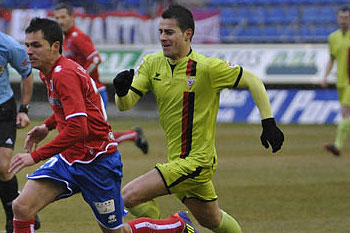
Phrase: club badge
(190, 82)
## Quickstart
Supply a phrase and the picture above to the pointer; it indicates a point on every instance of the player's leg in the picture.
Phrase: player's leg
(144, 188)
(8, 182)
(177, 223)
(139, 193)
(8, 186)
(209, 215)
(35, 195)
(343, 127)
(135, 135)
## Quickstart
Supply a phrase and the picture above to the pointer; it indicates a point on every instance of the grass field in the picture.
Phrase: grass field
(301, 189)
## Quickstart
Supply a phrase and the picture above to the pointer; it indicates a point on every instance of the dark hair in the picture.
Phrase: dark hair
(66, 6)
(182, 15)
(51, 30)
(344, 8)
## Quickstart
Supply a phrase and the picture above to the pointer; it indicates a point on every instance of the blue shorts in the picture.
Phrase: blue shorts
(98, 181)
(104, 95)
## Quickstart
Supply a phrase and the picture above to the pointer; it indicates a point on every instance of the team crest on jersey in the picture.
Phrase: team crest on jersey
(190, 82)
(231, 65)
(1, 70)
(25, 63)
(58, 69)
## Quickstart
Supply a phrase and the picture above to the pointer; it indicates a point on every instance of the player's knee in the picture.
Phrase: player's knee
(125, 229)
(129, 197)
(4, 175)
(21, 210)
(209, 222)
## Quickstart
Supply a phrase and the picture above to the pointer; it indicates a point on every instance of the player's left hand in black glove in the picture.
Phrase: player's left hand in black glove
(122, 82)
(271, 134)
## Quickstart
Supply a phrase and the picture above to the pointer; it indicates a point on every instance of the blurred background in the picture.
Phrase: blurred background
(284, 42)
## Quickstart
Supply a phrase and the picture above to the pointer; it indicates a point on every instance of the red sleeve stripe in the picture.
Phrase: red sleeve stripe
(76, 114)
(191, 68)
(187, 124)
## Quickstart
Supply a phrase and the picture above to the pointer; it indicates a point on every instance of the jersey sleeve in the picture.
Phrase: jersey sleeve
(141, 83)
(75, 131)
(83, 45)
(331, 45)
(223, 74)
(19, 60)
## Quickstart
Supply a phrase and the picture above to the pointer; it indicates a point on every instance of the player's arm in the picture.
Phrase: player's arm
(76, 129)
(85, 47)
(258, 92)
(22, 119)
(92, 62)
(329, 67)
(129, 90)
(26, 89)
(271, 133)
(19, 60)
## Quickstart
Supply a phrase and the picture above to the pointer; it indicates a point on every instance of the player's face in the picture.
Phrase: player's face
(343, 19)
(39, 51)
(174, 42)
(64, 19)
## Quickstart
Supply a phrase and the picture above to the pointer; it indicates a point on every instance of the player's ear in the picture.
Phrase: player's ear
(188, 34)
(56, 45)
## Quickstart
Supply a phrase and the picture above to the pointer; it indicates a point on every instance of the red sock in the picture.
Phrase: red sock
(149, 225)
(23, 226)
(127, 135)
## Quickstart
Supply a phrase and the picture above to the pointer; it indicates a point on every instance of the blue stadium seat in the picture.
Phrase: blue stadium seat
(256, 15)
(281, 14)
(327, 14)
(310, 14)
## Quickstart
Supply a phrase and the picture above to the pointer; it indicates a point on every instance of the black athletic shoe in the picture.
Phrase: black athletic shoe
(141, 141)
(332, 148)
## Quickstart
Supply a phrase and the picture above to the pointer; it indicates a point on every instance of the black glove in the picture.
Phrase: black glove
(122, 82)
(271, 134)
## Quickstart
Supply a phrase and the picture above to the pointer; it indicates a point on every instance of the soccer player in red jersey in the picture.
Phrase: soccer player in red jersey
(83, 157)
(79, 47)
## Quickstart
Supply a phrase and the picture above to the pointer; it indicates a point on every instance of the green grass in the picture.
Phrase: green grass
(301, 189)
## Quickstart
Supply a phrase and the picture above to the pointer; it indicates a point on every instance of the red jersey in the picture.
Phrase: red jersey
(79, 47)
(79, 116)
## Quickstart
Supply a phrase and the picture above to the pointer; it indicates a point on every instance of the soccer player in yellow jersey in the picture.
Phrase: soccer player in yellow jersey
(339, 49)
(187, 89)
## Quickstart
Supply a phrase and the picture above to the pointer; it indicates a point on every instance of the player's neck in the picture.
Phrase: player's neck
(185, 53)
(345, 30)
(50, 65)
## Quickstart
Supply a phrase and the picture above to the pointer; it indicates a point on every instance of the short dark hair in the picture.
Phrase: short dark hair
(344, 8)
(51, 30)
(66, 6)
(182, 15)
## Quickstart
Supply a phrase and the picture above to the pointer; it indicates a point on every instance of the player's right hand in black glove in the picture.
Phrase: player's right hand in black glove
(271, 134)
(122, 82)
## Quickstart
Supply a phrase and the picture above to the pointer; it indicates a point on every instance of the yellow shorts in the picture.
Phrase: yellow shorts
(186, 179)
(344, 95)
